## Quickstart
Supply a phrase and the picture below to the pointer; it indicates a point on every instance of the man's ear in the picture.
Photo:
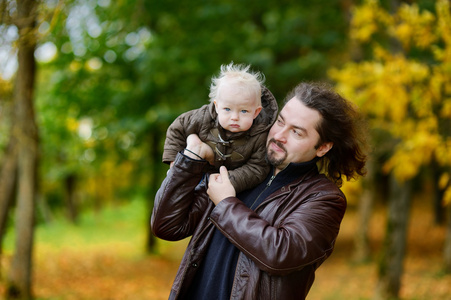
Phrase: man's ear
(323, 149)
(257, 111)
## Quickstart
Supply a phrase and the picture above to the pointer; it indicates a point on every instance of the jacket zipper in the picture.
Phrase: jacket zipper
(239, 255)
(267, 186)
(269, 182)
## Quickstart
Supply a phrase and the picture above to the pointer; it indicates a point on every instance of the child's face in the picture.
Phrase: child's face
(236, 110)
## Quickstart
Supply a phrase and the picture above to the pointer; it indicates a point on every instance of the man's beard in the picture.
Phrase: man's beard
(270, 154)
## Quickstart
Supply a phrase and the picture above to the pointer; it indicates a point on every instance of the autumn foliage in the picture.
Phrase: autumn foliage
(405, 87)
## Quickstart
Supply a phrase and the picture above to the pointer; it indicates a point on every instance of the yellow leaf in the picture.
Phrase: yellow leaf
(444, 180)
(72, 124)
(447, 196)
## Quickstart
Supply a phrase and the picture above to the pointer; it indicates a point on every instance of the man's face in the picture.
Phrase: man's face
(293, 137)
(236, 110)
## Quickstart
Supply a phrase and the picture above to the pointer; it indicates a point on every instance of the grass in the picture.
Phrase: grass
(119, 224)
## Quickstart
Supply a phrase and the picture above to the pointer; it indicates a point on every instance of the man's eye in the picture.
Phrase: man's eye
(279, 122)
(297, 133)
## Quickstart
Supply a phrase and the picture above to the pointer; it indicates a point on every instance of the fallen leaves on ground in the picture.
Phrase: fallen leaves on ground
(115, 272)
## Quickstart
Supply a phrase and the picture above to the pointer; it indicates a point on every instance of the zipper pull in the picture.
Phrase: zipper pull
(270, 180)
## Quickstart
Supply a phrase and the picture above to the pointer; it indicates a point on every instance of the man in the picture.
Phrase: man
(266, 242)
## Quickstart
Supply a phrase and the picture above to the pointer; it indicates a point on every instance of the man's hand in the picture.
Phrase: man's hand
(219, 186)
(194, 144)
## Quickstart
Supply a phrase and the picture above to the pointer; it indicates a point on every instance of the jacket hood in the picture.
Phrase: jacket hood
(265, 118)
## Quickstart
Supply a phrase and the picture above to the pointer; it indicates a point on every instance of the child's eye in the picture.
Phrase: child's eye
(244, 111)
(226, 109)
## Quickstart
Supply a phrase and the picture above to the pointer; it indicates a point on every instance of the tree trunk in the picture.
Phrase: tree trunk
(71, 205)
(26, 133)
(447, 249)
(361, 240)
(393, 252)
(439, 192)
(155, 162)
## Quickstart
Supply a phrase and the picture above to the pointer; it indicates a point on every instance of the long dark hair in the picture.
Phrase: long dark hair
(342, 124)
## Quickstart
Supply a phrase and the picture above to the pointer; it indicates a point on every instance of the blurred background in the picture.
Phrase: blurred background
(89, 87)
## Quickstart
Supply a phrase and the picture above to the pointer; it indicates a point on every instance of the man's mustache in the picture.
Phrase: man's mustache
(279, 144)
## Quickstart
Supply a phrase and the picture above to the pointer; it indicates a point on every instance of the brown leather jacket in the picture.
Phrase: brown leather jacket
(282, 243)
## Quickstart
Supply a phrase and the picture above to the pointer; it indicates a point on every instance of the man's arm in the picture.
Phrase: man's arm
(181, 199)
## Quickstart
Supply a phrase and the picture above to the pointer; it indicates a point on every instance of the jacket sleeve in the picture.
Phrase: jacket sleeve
(181, 200)
(254, 170)
(176, 134)
(305, 235)
(175, 139)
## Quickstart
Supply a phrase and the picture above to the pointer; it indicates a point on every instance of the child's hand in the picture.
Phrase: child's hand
(194, 144)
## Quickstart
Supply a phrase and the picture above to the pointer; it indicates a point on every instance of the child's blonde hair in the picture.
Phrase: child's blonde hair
(247, 80)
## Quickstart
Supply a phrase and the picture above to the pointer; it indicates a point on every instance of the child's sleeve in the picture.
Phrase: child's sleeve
(184, 125)
(175, 139)
(254, 171)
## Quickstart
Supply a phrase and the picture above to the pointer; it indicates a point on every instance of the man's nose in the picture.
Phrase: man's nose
(281, 135)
